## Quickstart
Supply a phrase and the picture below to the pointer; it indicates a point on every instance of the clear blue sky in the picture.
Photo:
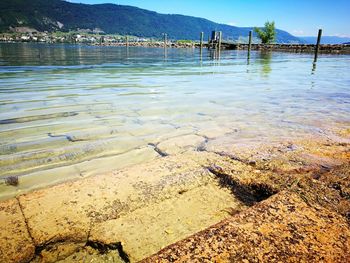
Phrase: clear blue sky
(299, 17)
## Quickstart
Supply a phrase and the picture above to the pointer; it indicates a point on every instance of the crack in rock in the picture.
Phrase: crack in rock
(68, 137)
(26, 222)
(249, 194)
(236, 158)
(104, 248)
(157, 150)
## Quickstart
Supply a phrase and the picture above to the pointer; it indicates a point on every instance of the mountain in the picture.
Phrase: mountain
(52, 15)
(327, 40)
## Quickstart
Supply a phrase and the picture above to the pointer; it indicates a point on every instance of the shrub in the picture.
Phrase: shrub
(268, 33)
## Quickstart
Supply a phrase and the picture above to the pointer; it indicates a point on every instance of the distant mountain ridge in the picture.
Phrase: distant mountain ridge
(53, 15)
(327, 40)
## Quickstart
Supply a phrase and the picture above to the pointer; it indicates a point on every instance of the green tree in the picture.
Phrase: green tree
(268, 33)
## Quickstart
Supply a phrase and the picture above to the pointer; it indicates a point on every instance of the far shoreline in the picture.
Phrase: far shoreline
(336, 49)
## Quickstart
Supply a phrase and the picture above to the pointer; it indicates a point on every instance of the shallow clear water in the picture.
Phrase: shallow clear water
(64, 106)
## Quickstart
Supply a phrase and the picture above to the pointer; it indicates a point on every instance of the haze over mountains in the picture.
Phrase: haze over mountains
(53, 15)
(327, 40)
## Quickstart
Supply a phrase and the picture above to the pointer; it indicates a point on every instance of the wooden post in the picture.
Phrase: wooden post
(165, 40)
(208, 42)
(213, 35)
(318, 44)
(201, 39)
(250, 42)
(220, 39)
(127, 41)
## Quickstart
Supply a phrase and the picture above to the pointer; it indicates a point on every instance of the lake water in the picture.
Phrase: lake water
(71, 111)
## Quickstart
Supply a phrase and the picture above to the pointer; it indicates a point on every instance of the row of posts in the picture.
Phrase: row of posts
(216, 41)
(217, 37)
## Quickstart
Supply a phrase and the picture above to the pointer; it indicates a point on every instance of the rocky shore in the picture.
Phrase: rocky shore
(221, 201)
(298, 48)
(156, 44)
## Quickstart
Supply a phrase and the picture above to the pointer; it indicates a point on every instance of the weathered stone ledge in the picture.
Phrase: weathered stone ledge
(298, 194)
(306, 219)
(283, 228)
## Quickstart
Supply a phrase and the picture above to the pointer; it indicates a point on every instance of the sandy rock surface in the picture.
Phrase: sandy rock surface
(285, 201)
(15, 242)
(281, 229)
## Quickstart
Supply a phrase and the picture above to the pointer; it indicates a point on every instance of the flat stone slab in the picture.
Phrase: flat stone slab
(282, 228)
(66, 212)
(149, 229)
(16, 244)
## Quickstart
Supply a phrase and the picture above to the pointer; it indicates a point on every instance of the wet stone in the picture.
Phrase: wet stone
(16, 244)
(148, 229)
(280, 229)
(65, 213)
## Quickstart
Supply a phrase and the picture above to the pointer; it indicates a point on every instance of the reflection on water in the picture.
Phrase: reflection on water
(215, 54)
(265, 61)
(69, 111)
(313, 68)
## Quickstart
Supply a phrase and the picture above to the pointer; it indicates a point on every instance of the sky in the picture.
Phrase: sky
(298, 17)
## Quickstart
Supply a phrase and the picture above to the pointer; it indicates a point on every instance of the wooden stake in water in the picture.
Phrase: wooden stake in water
(165, 40)
(213, 36)
(317, 48)
(220, 39)
(250, 42)
(201, 40)
(102, 40)
(127, 41)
